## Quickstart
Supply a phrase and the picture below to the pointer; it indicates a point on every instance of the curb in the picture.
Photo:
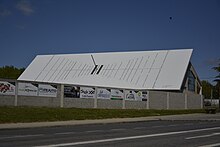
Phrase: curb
(73, 122)
(184, 117)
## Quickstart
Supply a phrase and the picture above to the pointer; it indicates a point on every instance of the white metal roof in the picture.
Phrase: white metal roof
(158, 70)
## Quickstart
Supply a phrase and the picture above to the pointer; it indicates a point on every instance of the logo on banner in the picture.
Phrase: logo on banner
(4, 87)
(71, 92)
(7, 88)
(87, 92)
(28, 89)
(130, 96)
(144, 96)
(136, 95)
(103, 93)
(117, 94)
(47, 90)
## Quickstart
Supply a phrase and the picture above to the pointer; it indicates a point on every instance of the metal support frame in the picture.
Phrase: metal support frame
(168, 100)
(186, 97)
(61, 95)
(95, 99)
(123, 100)
(16, 94)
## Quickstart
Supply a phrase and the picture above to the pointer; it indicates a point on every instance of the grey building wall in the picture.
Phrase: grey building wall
(193, 101)
(135, 104)
(7, 100)
(109, 104)
(78, 102)
(38, 101)
(176, 100)
(157, 100)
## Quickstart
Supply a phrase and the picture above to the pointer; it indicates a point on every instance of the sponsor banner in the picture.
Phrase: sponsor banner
(7, 88)
(144, 95)
(130, 95)
(71, 92)
(28, 89)
(47, 90)
(117, 94)
(87, 92)
(135, 95)
(103, 93)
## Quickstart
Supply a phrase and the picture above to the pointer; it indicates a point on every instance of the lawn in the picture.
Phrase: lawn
(40, 114)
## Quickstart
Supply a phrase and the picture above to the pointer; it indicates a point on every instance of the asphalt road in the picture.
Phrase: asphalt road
(149, 133)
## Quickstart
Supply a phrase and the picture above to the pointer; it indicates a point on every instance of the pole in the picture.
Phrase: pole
(219, 98)
(123, 100)
(61, 95)
(16, 94)
(211, 96)
(95, 99)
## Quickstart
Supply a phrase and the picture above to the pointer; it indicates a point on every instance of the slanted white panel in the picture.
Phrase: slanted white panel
(143, 77)
(131, 70)
(35, 68)
(149, 81)
(173, 70)
(42, 76)
(159, 59)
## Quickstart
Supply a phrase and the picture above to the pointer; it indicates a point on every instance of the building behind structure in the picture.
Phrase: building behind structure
(163, 79)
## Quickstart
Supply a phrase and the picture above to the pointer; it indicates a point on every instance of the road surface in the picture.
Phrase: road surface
(148, 133)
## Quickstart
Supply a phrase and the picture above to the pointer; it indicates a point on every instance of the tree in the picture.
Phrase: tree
(217, 69)
(206, 89)
(10, 72)
(217, 80)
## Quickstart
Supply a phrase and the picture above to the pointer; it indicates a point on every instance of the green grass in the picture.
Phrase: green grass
(40, 114)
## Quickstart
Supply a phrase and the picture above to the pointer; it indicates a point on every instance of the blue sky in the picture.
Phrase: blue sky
(32, 27)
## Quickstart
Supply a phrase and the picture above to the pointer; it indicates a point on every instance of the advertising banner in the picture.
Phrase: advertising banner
(7, 88)
(87, 92)
(130, 95)
(103, 93)
(71, 92)
(28, 89)
(144, 95)
(135, 95)
(117, 94)
(47, 90)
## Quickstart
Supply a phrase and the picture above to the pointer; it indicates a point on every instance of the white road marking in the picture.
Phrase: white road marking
(188, 124)
(94, 131)
(65, 133)
(128, 138)
(139, 128)
(118, 129)
(21, 136)
(157, 126)
(203, 136)
(211, 145)
(172, 125)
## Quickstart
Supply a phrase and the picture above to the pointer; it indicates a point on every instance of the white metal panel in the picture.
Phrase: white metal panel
(35, 68)
(41, 76)
(47, 78)
(132, 70)
(150, 79)
(142, 77)
(159, 59)
(173, 70)
(136, 77)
